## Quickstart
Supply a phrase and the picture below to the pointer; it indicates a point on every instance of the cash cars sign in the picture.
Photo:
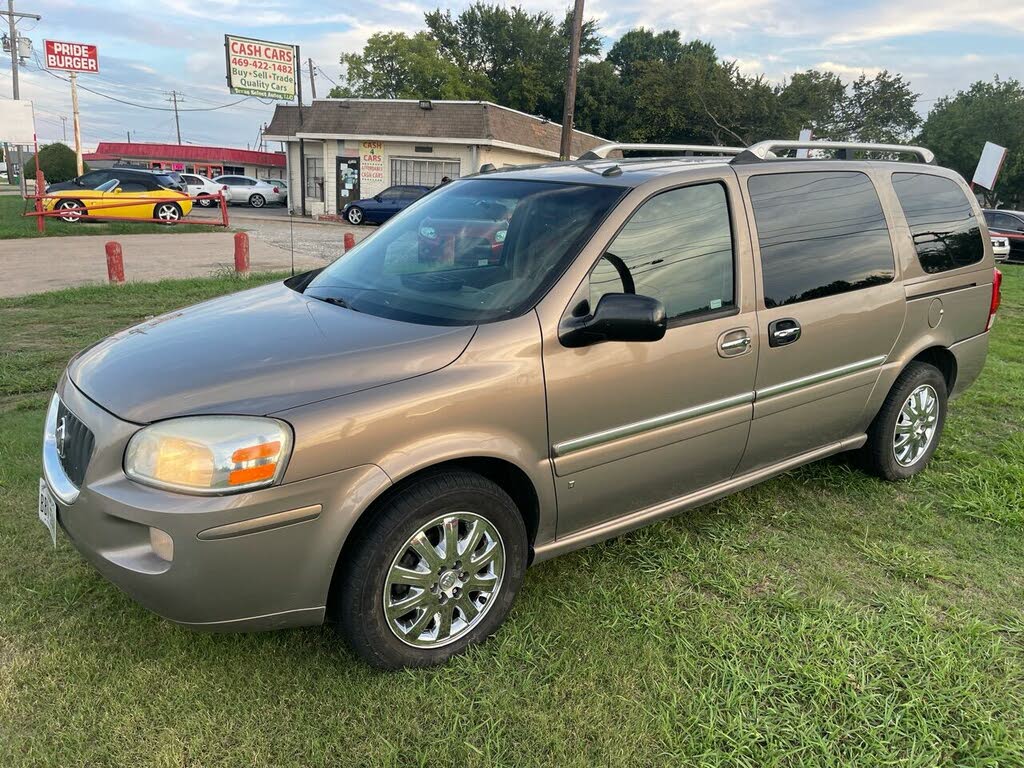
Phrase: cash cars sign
(261, 68)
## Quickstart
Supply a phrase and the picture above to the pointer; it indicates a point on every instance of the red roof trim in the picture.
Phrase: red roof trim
(189, 153)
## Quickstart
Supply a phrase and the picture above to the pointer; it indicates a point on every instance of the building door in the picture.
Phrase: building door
(348, 181)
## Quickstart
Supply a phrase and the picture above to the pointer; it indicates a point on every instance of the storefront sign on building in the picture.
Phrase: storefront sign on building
(71, 57)
(261, 68)
(371, 164)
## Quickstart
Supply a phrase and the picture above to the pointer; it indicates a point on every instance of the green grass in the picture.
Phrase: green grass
(14, 224)
(821, 618)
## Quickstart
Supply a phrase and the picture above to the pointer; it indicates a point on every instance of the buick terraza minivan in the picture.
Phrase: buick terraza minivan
(520, 364)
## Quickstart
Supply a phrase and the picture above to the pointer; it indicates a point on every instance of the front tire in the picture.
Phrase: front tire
(355, 215)
(73, 217)
(904, 435)
(257, 201)
(167, 213)
(434, 571)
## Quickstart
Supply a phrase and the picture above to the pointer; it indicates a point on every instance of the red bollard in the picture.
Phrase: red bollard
(242, 254)
(350, 241)
(115, 263)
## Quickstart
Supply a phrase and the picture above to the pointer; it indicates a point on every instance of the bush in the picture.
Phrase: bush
(57, 161)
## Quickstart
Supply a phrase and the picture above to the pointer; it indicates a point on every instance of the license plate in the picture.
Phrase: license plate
(48, 510)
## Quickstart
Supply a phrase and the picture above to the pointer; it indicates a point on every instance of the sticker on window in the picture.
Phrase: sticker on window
(715, 304)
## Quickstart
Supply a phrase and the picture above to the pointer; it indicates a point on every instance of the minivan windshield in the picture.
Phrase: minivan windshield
(473, 251)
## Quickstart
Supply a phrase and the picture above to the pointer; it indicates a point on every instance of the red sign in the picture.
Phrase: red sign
(71, 57)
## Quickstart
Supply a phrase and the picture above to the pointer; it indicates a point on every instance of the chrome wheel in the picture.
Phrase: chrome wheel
(257, 201)
(71, 216)
(915, 426)
(444, 579)
(167, 212)
(355, 216)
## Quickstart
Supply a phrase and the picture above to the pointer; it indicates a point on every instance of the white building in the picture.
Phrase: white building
(355, 148)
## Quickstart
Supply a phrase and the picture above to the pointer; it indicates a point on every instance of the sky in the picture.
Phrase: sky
(146, 51)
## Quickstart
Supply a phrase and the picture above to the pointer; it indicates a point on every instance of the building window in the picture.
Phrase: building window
(820, 234)
(236, 170)
(315, 178)
(426, 173)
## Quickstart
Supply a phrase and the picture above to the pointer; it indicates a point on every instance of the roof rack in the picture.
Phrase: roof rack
(602, 152)
(763, 150)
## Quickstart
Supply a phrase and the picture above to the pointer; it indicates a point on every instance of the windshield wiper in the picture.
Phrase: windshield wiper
(335, 301)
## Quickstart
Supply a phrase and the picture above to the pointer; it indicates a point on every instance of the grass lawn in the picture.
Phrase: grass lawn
(14, 224)
(821, 618)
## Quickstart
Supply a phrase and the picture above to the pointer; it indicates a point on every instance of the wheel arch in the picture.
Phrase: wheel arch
(940, 357)
(505, 474)
(935, 354)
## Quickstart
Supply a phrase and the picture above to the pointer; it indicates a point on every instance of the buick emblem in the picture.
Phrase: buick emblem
(60, 434)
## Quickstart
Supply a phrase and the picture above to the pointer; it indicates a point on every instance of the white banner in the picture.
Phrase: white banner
(17, 125)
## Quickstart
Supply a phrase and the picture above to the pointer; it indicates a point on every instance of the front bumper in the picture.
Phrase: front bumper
(265, 559)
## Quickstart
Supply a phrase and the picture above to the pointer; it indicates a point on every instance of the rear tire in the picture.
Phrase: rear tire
(257, 201)
(206, 202)
(458, 592)
(70, 218)
(904, 435)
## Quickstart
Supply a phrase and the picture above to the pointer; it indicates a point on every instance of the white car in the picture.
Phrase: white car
(204, 189)
(254, 192)
(1000, 247)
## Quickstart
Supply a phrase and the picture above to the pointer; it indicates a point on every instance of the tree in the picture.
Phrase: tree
(642, 45)
(522, 55)
(393, 65)
(814, 100)
(880, 109)
(57, 161)
(958, 127)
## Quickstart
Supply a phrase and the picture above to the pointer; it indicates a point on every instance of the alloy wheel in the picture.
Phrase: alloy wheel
(355, 216)
(168, 212)
(915, 426)
(71, 216)
(444, 579)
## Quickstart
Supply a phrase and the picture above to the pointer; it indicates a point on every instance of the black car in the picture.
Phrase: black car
(1008, 224)
(132, 180)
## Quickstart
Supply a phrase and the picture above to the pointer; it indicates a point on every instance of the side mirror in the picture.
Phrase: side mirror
(618, 317)
(117, 190)
(378, 198)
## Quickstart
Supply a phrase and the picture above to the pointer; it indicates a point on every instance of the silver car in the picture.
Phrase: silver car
(254, 192)
(204, 189)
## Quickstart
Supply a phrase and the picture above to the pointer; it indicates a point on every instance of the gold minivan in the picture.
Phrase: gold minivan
(520, 364)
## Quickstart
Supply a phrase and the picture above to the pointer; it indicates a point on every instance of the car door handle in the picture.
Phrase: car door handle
(736, 343)
(783, 331)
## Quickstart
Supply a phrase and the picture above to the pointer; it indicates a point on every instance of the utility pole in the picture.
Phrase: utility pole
(75, 124)
(12, 18)
(64, 127)
(312, 80)
(177, 125)
(565, 151)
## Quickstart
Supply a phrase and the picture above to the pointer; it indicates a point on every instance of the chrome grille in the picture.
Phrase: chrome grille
(74, 445)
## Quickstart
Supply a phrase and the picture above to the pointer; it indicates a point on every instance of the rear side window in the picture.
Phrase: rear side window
(942, 221)
(820, 233)
(677, 247)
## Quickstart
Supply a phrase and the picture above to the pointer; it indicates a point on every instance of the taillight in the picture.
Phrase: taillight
(225, 188)
(997, 297)
(277, 191)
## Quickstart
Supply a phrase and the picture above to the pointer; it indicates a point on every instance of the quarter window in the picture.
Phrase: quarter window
(941, 219)
(677, 248)
(820, 233)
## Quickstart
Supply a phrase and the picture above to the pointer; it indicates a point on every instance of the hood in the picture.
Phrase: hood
(254, 353)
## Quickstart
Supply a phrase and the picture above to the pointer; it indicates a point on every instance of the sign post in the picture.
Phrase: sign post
(73, 58)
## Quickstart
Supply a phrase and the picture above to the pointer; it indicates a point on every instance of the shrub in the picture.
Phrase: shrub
(57, 161)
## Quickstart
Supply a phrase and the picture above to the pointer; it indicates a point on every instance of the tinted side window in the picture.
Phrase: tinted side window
(942, 222)
(133, 186)
(821, 234)
(678, 248)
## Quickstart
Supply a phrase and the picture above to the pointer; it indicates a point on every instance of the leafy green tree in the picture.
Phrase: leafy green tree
(57, 161)
(642, 45)
(958, 127)
(814, 100)
(602, 101)
(879, 109)
(393, 65)
(522, 55)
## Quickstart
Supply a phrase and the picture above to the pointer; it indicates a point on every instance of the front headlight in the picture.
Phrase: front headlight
(209, 454)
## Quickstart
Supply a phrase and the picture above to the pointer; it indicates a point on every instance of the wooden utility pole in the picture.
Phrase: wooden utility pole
(312, 80)
(565, 151)
(177, 124)
(75, 124)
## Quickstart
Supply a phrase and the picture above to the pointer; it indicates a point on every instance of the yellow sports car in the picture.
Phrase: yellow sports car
(166, 205)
